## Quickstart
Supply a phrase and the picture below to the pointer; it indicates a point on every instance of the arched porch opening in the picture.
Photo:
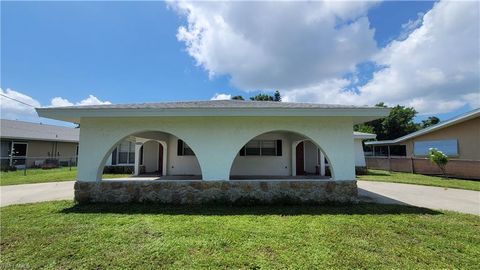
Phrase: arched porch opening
(281, 155)
(152, 155)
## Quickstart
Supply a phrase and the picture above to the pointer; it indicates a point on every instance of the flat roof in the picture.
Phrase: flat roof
(456, 120)
(21, 130)
(213, 108)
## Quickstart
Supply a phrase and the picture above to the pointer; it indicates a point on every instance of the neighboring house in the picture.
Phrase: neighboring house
(459, 138)
(217, 141)
(32, 144)
(358, 138)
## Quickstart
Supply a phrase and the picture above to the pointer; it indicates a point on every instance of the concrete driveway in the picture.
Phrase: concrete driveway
(29, 193)
(465, 201)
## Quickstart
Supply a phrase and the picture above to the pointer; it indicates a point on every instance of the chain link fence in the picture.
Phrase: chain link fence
(14, 163)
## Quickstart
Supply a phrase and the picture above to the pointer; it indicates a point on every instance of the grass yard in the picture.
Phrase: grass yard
(419, 179)
(41, 176)
(62, 235)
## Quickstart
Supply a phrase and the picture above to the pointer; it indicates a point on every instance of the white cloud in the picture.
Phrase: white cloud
(91, 100)
(277, 45)
(305, 49)
(435, 69)
(218, 96)
(11, 109)
(15, 110)
(60, 102)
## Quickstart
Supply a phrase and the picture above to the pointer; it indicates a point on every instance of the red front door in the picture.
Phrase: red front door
(300, 161)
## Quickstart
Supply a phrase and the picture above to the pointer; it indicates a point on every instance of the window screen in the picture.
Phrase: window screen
(252, 148)
(448, 147)
(398, 150)
(268, 148)
(183, 149)
(126, 153)
(187, 151)
(262, 148)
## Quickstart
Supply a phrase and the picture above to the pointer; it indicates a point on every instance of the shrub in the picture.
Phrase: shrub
(118, 169)
(7, 168)
(439, 158)
(361, 170)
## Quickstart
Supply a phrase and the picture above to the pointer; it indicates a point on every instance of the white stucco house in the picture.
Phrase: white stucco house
(219, 150)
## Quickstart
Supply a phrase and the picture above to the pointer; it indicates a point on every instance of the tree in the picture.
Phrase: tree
(439, 158)
(237, 98)
(277, 96)
(398, 123)
(432, 120)
(264, 97)
(363, 128)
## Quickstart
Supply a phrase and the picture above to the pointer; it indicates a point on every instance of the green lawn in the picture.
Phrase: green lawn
(419, 179)
(41, 176)
(62, 235)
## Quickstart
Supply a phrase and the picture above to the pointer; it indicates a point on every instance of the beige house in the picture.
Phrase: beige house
(35, 145)
(459, 138)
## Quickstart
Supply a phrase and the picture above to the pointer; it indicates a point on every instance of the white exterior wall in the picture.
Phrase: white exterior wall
(181, 165)
(215, 140)
(359, 155)
(265, 165)
(150, 156)
(310, 152)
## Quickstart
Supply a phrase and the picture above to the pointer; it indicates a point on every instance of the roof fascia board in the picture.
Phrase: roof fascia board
(36, 139)
(76, 114)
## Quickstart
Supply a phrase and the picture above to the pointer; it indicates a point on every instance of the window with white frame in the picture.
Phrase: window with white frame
(262, 148)
(124, 154)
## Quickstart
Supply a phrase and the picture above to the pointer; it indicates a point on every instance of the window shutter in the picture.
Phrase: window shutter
(180, 148)
(114, 157)
(242, 151)
(279, 148)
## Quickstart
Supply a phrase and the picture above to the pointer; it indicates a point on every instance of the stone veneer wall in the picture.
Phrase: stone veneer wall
(238, 192)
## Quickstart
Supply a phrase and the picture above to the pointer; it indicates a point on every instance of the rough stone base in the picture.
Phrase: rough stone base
(241, 192)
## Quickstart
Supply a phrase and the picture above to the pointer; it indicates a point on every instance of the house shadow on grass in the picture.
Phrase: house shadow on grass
(215, 210)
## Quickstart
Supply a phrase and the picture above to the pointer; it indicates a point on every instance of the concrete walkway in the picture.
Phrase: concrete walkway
(465, 201)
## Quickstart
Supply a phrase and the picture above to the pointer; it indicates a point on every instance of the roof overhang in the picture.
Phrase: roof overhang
(20, 138)
(74, 114)
(364, 136)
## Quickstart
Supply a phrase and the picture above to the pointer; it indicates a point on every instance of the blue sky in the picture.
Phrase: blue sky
(125, 52)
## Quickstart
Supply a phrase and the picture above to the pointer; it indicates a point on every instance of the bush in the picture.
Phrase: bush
(8, 168)
(439, 158)
(50, 163)
(361, 170)
(118, 169)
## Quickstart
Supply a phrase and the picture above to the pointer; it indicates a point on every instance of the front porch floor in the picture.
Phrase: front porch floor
(152, 177)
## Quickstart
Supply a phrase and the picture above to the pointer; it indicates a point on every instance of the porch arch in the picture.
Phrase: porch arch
(295, 138)
(140, 142)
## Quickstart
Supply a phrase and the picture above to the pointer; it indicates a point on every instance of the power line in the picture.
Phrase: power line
(17, 100)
